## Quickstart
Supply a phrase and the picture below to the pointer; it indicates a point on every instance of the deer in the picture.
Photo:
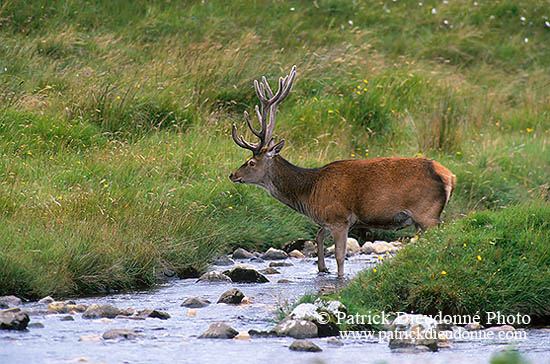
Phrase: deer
(389, 193)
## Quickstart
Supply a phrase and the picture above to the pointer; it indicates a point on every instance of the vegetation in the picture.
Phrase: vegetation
(490, 261)
(115, 119)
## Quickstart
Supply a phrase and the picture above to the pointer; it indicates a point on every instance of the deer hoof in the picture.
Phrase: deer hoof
(323, 270)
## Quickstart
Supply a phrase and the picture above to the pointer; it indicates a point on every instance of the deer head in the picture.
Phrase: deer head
(254, 170)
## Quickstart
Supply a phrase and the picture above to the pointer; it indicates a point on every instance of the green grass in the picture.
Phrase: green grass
(489, 261)
(115, 121)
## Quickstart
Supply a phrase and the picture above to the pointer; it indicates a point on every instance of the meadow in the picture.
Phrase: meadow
(115, 119)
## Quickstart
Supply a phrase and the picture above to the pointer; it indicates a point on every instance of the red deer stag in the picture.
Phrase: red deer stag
(387, 193)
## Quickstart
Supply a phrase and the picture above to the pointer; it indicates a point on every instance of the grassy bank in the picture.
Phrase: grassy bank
(115, 119)
(490, 261)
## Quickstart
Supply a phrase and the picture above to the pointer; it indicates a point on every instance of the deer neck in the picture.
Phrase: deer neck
(290, 184)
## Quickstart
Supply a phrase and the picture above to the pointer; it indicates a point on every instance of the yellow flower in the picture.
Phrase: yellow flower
(504, 178)
(497, 123)
(365, 81)
(418, 154)
(359, 87)
(118, 97)
(416, 236)
(479, 257)
(380, 258)
(366, 154)
(449, 109)
(443, 272)
(230, 207)
(464, 245)
(498, 270)
(358, 92)
(330, 111)
(393, 111)
(374, 270)
(300, 157)
(60, 197)
(523, 258)
(529, 130)
(352, 154)
(458, 153)
(315, 99)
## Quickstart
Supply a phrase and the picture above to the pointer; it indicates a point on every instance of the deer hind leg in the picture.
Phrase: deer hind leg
(321, 235)
(340, 235)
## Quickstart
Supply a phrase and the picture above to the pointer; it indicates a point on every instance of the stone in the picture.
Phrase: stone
(298, 329)
(214, 276)
(241, 253)
(502, 328)
(243, 335)
(154, 314)
(413, 330)
(323, 318)
(67, 318)
(256, 333)
(274, 254)
(92, 337)
(188, 272)
(119, 334)
(96, 311)
(13, 319)
(367, 248)
(58, 307)
(231, 297)
(195, 302)
(245, 275)
(35, 325)
(352, 246)
(256, 260)
(270, 270)
(223, 260)
(334, 341)
(304, 345)
(219, 330)
(191, 313)
(284, 281)
(77, 308)
(9, 301)
(298, 244)
(330, 250)
(280, 264)
(473, 326)
(296, 254)
(46, 300)
(310, 249)
(381, 247)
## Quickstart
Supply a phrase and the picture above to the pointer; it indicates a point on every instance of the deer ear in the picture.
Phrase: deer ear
(275, 149)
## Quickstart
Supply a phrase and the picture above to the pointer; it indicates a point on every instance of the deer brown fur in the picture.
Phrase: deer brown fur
(383, 193)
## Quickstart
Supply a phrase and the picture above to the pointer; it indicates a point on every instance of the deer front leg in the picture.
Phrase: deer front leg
(340, 235)
(321, 235)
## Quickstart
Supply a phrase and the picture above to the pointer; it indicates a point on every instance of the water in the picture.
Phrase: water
(175, 340)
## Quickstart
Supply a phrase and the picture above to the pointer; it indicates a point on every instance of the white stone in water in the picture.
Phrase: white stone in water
(413, 330)
(306, 311)
(352, 246)
(332, 306)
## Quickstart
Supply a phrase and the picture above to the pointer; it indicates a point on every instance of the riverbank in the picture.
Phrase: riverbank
(491, 264)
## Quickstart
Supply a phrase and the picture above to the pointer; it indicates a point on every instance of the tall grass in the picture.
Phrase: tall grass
(114, 121)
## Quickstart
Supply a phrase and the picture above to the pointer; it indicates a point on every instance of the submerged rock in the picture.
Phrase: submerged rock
(241, 253)
(195, 302)
(367, 248)
(219, 330)
(274, 254)
(280, 264)
(35, 325)
(297, 244)
(223, 260)
(96, 311)
(67, 318)
(412, 330)
(270, 270)
(304, 345)
(58, 307)
(214, 276)
(46, 300)
(154, 314)
(299, 329)
(119, 334)
(9, 301)
(188, 272)
(231, 297)
(13, 319)
(352, 246)
(245, 275)
(473, 326)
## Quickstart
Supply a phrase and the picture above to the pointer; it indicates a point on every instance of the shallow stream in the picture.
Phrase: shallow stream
(175, 340)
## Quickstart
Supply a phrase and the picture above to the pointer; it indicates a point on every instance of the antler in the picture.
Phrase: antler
(268, 110)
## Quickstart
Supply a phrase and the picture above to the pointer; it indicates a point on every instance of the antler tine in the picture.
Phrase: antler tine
(267, 88)
(258, 133)
(243, 143)
(285, 86)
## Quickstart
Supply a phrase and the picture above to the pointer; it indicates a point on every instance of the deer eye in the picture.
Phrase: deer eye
(251, 163)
